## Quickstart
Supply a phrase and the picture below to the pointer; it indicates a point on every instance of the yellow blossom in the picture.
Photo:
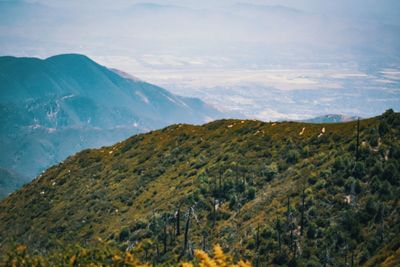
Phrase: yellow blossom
(204, 259)
(219, 256)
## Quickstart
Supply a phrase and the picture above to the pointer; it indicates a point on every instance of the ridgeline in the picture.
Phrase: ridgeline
(285, 193)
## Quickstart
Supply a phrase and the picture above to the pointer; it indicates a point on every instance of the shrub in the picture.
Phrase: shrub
(233, 202)
(124, 234)
(374, 140)
(251, 193)
(359, 170)
(383, 128)
(339, 164)
(391, 174)
(292, 157)
(270, 171)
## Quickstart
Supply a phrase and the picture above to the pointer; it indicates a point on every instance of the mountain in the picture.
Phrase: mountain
(287, 193)
(55, 107)
(331, 118)
(10, 182)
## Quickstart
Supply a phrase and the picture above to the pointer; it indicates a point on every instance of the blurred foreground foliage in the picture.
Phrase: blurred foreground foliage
(103, 255)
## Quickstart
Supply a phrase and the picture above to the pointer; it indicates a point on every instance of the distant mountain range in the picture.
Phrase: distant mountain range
(331, 118)
(52, 108)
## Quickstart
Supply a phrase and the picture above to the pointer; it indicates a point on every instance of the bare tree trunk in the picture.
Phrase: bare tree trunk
(382, 234)
(178, 219)
(203, 243)
(352, 259)
(358, 139)
(171, 236)
(303, 198)
(257, 260)
(214, 212)
(258, 238)
(291, 237)
(186, 236)
(278, 229)
(220, 183)
(165, 238)
(237, 175)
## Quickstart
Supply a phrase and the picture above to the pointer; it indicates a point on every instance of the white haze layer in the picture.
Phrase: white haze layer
(267, 59)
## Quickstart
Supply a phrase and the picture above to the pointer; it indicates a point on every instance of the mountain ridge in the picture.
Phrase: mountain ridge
(239, 179)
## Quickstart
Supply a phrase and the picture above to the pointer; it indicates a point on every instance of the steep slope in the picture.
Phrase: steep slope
(55, 107)
(277, 193)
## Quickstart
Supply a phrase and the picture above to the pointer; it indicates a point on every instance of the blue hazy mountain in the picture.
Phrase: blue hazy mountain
(10, 181)
(331, 118)
(55, 107)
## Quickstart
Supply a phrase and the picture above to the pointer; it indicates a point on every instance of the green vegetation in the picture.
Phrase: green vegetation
(263, 191)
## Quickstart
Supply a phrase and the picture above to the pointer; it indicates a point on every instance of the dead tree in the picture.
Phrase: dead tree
(303, 198)
(165, 235)
(220, 182)
(278, 230)
(257, 261)
(288, 209)
(157, 251)
(358, 139)
(214, 212)
(382, 227)
(171, 235)
(186, 236)
(258, 237)
(203, 242)
(237, 175)
(178, 219)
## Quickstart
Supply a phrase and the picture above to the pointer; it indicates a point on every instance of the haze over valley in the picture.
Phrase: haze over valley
(269, 60)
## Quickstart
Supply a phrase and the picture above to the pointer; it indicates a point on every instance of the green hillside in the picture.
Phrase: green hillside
(287, 193)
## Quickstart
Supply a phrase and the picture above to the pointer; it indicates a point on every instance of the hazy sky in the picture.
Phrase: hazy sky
(387, 10)
(213, 49)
